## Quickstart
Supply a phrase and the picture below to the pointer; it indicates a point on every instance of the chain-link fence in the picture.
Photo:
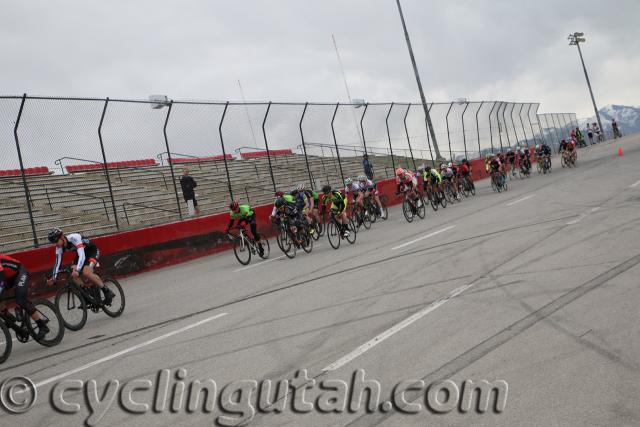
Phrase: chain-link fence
(100, 165)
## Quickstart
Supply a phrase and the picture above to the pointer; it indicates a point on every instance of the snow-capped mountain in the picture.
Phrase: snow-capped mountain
(628, 118)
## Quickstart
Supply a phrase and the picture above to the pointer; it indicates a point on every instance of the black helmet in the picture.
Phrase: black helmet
(280, 202)
(326, 189)
(54, 235)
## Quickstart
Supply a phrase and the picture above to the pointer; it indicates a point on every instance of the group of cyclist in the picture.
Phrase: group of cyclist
(13, 273)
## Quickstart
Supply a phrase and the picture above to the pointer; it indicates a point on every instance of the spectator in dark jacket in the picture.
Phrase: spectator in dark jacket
(188, 185)
(368, 168)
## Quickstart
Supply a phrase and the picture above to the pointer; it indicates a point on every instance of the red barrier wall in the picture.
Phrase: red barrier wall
(264, 153)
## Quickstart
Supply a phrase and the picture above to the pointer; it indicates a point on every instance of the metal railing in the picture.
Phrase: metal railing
(327, 135)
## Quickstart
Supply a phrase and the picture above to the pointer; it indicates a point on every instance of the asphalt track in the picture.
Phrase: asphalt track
(537, 287)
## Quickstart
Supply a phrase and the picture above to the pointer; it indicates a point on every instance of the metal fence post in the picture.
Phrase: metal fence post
(24, 177)
(266, 144)
(533, 134)
(555, 129)
(503, 106)
(413, 160)
(104, 164)
(513, 123)
(526, 140)
(166, 142)
(428, 139)
(304, 147)
(335, 142)
(464, 137)
(393, 163)
(491, 125)
(478, 129)
(364, 141)
(504, 120)
(224, 153)
(448, 134)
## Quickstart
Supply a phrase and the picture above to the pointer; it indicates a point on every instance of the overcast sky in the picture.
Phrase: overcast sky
(281, 50)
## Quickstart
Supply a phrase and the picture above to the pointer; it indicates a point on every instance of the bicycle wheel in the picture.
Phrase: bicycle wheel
(366, 220)
(464, 188)
(448, 193)
(406, 210)
(472, 187)
(116, 308)
(72, 308)
(539, 166)
(307, 241)
(316, 233)
(282, 239)
(563, 161)
(47, 311)
(421, 210)
(242, 250)
(353, 231)
(333, 235)
(266, 249)
(5, 342)
(432, 200)
(290, 246)
(443, 200)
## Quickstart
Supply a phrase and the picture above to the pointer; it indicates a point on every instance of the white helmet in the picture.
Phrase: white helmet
(300, 187)
(537, 146)
(347, 181)
(449, 164)
(362, 177)
(443, 166)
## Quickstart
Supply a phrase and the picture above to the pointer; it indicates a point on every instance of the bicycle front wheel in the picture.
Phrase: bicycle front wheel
(421, 210)
(48, 312)
(406, 210)
(353, 231)
(72, 308)
(5, 342)
(116, 307)
(333, 234)
(241, 250)
(266, 249)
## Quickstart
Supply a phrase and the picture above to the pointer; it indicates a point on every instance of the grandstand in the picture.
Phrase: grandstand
(79, 200)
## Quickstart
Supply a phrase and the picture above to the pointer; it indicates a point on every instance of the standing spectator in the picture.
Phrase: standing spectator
(614, 127)
(596, 131)
(580, 137)
(590, 134)
(188, 185)
(368, 168)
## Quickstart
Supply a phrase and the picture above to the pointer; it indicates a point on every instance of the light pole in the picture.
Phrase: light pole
(415, 70)
(574, 40)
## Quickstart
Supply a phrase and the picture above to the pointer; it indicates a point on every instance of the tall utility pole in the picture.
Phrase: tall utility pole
(415, 70)
(346, 87)
(574, 40)
(246, 108)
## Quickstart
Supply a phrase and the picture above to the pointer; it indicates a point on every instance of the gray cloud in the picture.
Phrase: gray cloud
(282, 50)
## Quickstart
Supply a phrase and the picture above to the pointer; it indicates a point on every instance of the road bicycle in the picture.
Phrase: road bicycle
(498, 182)
(74, 301)
(333, 230)
(412, 207)
(245, 246)
(25, 328)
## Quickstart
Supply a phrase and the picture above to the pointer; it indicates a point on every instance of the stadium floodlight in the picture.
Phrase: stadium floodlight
(159, 101)
(574, 40)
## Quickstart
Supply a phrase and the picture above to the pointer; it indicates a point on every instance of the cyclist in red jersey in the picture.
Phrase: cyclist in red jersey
(14, 274)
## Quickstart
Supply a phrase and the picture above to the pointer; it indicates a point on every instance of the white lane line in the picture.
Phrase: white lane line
(394, 329)
(411, 242)
(257, 264)
(635, 184)
(577, 220)
(520, 200)
(127, 350)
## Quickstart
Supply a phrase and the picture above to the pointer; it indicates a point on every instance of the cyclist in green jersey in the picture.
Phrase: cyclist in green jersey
(244, 214)
(338, 207)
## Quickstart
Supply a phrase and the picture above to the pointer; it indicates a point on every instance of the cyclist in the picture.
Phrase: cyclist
(545, 151)
(244, 214)
(487, 162)
(571, 149)
(357, 194)
(313, 203)
(14, 274)
(537, 153)
(370, 190)
(496, 166)
(338, 207)
(448, 176)
(87, 254)
(525, 159)
(274, 217)
(304, 204)
(407, 179)
(511, 161)
(465, 172)
(433, 178)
